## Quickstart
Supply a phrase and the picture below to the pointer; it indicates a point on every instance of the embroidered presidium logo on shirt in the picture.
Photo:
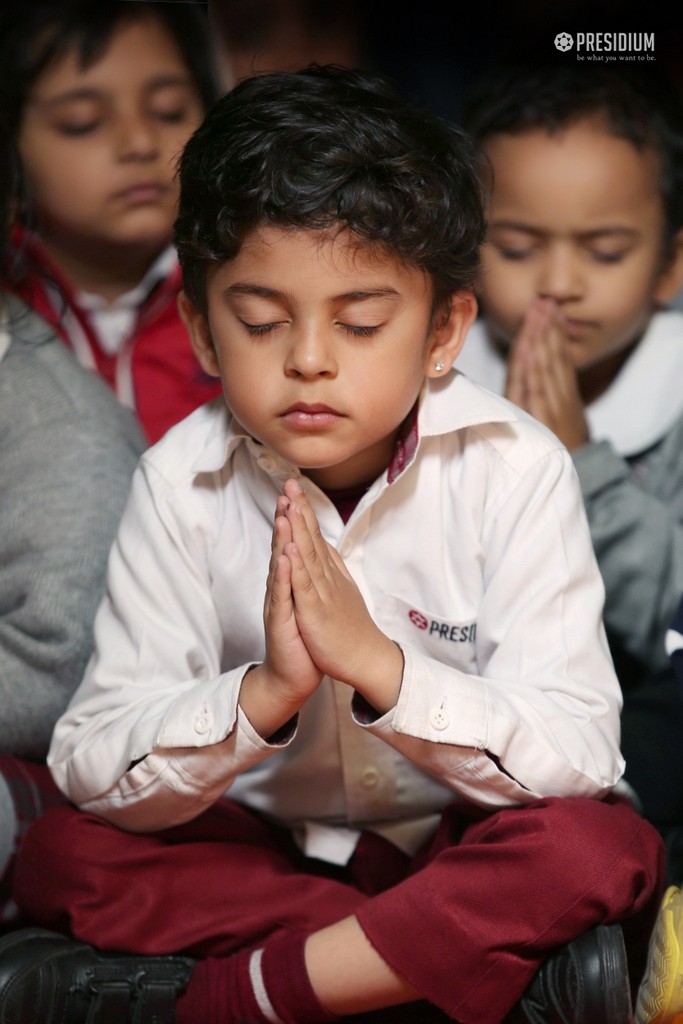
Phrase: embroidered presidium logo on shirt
(455, 633)
(418, 619)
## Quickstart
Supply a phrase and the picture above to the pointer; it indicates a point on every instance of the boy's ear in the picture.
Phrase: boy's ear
(200, 335)
(449, 330)
(671, 279)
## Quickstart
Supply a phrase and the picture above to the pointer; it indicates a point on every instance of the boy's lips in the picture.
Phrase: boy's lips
(307, 414)
(573, 325)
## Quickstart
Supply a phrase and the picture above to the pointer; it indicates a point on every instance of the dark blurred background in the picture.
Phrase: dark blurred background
(432, 50)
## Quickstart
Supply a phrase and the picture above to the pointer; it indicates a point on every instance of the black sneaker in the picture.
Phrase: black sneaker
(46, 978)
(585, 982)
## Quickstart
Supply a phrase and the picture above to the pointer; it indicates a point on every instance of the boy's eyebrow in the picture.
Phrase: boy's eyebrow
(610, 231)
(89, 92)
(528, 229)
(356, 295)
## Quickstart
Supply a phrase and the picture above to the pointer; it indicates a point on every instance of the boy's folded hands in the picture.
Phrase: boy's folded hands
(316, 620)
(541, 377)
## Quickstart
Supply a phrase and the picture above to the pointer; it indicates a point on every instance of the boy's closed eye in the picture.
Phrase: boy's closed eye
(357, 330)
(608, 257)
(263, 311)
(513, 243)
(603, 246)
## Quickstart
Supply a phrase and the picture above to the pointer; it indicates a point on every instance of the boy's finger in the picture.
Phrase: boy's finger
(281, 535)
(296, 494)
(310, 549)
(533, 324)
(303, 588)
(278, 607)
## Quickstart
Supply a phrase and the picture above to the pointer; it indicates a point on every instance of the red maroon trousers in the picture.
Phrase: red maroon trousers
(467, 922)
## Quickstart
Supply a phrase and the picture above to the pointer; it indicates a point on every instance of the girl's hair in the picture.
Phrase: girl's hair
(324, 148)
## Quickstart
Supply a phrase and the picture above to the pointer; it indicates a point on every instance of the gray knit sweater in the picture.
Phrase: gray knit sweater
(67, 452)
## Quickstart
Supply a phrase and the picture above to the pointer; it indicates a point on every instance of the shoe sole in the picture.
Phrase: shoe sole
(616, 990)
(660, 999)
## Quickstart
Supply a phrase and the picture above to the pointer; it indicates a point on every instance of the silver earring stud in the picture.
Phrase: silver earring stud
(438, 367)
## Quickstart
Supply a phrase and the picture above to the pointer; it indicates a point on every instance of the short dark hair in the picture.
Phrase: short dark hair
(329, 147)
(640, 104)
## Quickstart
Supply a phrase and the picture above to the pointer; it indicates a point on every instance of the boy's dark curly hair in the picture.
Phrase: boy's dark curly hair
(638, 103)
(328, 147)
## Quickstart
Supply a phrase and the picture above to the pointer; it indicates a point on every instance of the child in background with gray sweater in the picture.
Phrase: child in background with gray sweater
(67, 452)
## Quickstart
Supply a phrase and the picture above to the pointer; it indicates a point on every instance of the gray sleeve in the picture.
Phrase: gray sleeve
(637, 531)
(65, 466)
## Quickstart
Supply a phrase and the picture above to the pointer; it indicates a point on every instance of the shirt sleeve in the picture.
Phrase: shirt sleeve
(542, 716)
(154, 734)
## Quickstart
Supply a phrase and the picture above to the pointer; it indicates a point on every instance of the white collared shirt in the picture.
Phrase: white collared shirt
(477, 560)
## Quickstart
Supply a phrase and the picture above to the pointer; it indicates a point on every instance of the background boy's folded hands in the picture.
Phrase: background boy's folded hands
(541, 377)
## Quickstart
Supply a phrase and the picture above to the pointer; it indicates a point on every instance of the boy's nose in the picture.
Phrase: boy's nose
(560, 277)
(310, 355)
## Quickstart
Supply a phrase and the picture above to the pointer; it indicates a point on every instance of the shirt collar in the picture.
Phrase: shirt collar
(649, 382)
(225, 435)
(453, 402)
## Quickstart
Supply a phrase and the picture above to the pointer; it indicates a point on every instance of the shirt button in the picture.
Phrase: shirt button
(202, 723)
(438, 719)
(369, 777)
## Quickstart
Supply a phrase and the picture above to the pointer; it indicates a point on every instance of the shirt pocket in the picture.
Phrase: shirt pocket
(449, 640)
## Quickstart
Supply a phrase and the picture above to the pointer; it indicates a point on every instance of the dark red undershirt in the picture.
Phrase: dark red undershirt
(345, 499)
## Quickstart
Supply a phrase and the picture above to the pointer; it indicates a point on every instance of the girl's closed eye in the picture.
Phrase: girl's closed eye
(80, 116)
(171, 104)
(176, 116)
(76, 128)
